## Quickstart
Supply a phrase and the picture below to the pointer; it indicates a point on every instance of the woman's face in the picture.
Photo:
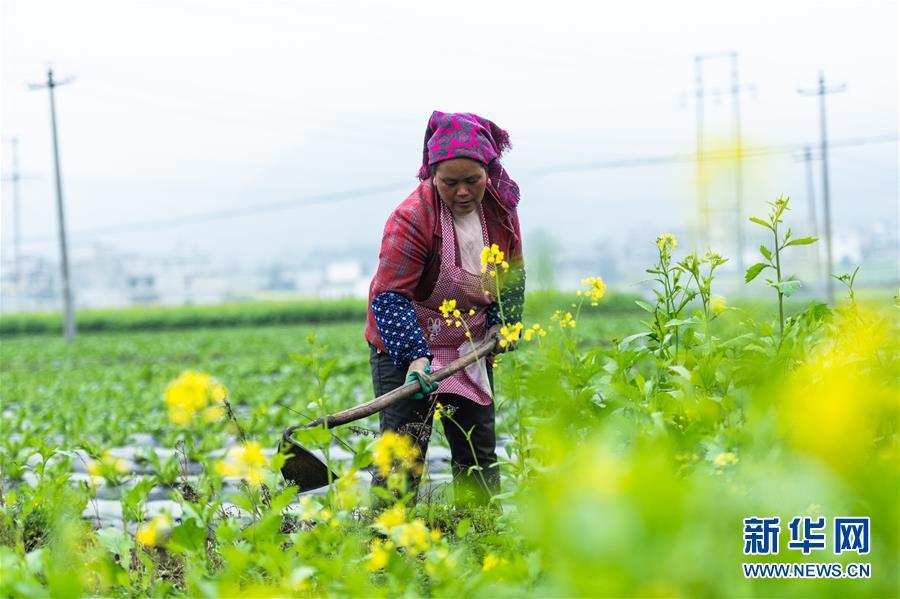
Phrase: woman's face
(460, 184)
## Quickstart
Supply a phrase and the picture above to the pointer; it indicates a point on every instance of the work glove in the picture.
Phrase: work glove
(425, 383)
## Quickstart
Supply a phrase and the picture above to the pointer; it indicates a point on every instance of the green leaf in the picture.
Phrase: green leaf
(243, 502)
(283, 499)
(624, 343)
(681, 371)
(765, 252)
(760, 221)
(677, 322)
(117, 542)
(362, 458)
(754, 270)
(313, 437)
(278, 460)
(644, 306)
(187, 537)
(462, 529)
(787, 288)
(801, 241)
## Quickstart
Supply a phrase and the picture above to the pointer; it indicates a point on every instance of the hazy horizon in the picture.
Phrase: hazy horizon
(181, 109)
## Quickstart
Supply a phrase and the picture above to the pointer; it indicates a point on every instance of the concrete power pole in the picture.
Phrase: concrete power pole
(811, 198)
(702, 193)
(69, 312)
(821, 91)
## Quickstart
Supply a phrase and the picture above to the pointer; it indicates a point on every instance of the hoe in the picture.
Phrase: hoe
(307, 472)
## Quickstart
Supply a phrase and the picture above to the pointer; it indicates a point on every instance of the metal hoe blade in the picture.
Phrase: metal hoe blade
(302, 468)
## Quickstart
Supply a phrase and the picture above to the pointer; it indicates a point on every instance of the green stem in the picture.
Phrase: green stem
(497, 289)
(468, 436)
(778, 277)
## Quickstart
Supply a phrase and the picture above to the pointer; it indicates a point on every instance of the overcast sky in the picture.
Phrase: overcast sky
(186, 108)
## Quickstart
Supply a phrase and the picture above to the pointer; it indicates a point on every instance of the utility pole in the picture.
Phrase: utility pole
(69, 312)
(811, 198)
(702, 192)
(821, 91)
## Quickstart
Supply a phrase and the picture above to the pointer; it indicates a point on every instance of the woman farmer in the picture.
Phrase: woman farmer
(431, 252)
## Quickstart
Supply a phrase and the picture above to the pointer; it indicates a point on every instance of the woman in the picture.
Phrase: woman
(431, 252)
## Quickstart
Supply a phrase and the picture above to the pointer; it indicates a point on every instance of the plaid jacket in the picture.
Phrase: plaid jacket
(410, 260)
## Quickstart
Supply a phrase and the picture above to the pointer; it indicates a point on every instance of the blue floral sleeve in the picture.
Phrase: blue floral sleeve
(399, 328)
(513, 296)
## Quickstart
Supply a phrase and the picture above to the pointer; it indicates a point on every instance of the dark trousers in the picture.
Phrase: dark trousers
(414, 418)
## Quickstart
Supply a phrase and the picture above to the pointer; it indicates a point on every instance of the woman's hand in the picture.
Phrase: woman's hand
(494, 331)
(420, 371)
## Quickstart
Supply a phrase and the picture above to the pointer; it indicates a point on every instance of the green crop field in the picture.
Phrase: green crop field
(636, 440)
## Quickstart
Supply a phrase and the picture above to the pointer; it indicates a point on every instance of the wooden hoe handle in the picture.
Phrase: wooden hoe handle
(407, 390)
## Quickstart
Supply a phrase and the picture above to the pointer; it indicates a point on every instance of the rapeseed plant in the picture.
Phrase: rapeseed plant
(785, 287)
(245, 461)
(510, 334)
(596, 289)
(193, 392)
(154, 532)
(395, 451)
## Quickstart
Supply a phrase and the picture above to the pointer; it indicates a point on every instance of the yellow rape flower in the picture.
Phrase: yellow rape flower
(107, 464)
(596, 289)
(391, 448)
(379, 555)
(190, 393)
(493, 256)
(833, 402)
(535, 329)
(218, 393)
(666, 242)
(212, 414)
(510, 334)
(490, 562)
(447, 306)
(725, 458)
(565, 319)
(154, 532)
(717, 304)
(246, 461)
(389, 519)
(414, 536)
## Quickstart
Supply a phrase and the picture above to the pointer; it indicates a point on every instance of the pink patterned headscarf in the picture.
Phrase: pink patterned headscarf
(467, 135)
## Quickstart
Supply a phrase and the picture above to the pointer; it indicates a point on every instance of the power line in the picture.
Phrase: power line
(353, 194)
(326, 198)
(750, 152)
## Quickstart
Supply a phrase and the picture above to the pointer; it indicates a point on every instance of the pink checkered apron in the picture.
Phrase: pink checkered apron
(449, 342)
